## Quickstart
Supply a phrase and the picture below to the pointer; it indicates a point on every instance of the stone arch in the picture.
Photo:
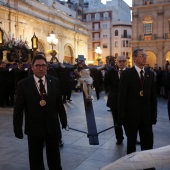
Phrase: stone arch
(151, 59)
(68, 54)
(148, 17)
(167, 56)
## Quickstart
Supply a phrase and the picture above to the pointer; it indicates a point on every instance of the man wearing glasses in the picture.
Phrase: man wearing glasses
(38, 99)
(137, 104)
(111, 81)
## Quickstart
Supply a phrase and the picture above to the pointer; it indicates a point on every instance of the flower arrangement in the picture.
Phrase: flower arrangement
(17, 49)
(11, 43)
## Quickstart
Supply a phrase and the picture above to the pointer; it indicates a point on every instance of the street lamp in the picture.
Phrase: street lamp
(51, 39)
(98, 51)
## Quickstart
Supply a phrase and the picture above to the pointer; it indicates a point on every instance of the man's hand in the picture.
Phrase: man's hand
(19, 136)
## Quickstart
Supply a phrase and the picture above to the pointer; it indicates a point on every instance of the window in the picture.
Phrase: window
(123, 43)
(127, 43)
(125, 33)
(104, 36)
(147, 28)
(169, 27)
(116, 32)
(88, 17)
(104, 25)
(104, 45)
(96, 26)
(105, 15)
(97, 16)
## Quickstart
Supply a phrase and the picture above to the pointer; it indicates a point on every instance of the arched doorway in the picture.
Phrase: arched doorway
(68, 54)
(151, 59)
(167, 57)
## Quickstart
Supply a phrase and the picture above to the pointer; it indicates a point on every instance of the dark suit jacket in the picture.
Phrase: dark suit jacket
(132, 108)
(38, 119)
(111, 82)
(19, 74)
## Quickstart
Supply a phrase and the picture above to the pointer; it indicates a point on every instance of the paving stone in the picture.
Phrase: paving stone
(77, 154)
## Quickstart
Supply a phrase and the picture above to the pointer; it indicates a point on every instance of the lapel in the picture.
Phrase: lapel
(135, 73)
(49, 86)
(33, 87)
(147, 77)
(117, 76)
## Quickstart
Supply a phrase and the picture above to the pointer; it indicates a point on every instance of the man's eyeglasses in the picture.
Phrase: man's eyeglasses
(40, 65)
(122, 61)
(142, 55)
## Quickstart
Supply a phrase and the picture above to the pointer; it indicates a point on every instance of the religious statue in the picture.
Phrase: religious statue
(54, 59)
(86, 81)
(148, 2)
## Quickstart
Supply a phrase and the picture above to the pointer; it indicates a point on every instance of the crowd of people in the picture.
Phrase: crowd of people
(46, 87)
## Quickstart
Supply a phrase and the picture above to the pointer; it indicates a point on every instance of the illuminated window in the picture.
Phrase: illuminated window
(104, 45)
(147, 28)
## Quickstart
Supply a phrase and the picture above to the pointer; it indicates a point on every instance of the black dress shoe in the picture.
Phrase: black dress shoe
(119, 142)
(60, 143)
(137, 142)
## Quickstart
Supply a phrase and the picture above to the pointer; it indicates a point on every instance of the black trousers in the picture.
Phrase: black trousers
(36, 145)
(146, 138)
(118, 130)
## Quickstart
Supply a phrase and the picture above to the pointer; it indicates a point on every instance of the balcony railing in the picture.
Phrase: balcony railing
(153, 37)
(96, 29)
(127, 36)
(96, 19)
(96, 39)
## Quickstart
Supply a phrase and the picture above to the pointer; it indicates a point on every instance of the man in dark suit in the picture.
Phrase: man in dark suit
(111, 82)
(137, 104)
(20, 73)
(39, 97)
(5, 80)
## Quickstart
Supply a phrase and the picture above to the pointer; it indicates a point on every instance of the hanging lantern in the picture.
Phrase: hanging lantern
(1, 36)
(34, 41)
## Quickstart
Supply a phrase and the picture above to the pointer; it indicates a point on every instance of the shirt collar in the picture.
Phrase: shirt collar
(37, 79)
(122, 69)
(139, 69)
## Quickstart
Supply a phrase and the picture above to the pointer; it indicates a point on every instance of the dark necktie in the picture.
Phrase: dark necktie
(141, 76)
(120, 72)
(42, 88)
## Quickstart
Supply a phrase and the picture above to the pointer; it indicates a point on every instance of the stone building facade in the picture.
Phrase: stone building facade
(26, 17)
(109, 27)
(151, 29)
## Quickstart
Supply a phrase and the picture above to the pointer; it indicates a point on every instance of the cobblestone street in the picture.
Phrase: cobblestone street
(77, 154)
